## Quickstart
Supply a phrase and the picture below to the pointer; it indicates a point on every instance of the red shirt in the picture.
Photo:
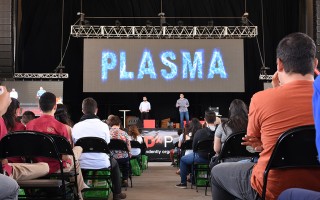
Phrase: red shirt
(3, 128)
(271, 113)
(18, 127)
(48, 124)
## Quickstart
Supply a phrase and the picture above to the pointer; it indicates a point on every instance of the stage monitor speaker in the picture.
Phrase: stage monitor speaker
(7, 37)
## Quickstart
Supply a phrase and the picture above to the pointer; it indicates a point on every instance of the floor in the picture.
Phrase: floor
(158, 183)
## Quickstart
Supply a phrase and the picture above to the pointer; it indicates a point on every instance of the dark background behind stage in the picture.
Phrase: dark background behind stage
(39, 45)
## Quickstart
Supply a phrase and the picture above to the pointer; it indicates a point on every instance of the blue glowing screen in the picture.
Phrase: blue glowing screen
(115, 65)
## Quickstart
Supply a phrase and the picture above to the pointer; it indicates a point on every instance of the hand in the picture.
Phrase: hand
(5, 100)
(252, 141)
(275, 80)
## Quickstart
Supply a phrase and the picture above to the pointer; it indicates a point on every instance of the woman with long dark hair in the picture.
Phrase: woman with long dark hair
(238, 121)
(10, 117)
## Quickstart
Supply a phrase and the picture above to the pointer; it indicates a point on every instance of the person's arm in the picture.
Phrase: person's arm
(178, 103)
(187, 103)
(217, 144)
(140, 107)
(253, 137)
(5, 100)
(149, 106)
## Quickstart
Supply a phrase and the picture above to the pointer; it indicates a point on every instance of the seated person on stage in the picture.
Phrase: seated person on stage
(201, 134)
(10, 117)
(27, 116)
(46, 123)
(9, 189)
(122, 157)
(272, 112)
(134, 135)
(91, 126)
(299, 193)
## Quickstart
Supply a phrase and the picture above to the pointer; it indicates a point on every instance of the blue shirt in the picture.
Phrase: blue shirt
(316, 110)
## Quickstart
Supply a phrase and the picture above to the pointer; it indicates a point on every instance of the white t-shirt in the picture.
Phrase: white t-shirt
(145, 106)
(136, 151)
(92, 128)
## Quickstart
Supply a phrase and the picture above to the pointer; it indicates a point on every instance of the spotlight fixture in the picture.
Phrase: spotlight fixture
(148, 23)
(210, 23)
(180, 23)
(244, 19)
(162, 19)
(117, 23)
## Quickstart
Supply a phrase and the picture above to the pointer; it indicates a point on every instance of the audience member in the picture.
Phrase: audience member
(201, 134)
(91, 126)
(9, 189)
(18, 171)
(122, 157)
(63, 116)
(299, 193)
(46, 123)
(270, 114)
(176, 149)
(27, 116)
(10, 117)
(238, 121)
(195, 125)
(134, 135)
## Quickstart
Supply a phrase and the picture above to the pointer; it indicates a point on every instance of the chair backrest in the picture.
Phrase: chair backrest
(93, 145)
(205, 146)
(135, 144)
(232, 147)
(116, 144)
(28, 144)
(63, 145)
(295, 148)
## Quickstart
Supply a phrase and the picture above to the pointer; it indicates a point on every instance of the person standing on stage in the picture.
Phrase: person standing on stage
(40, 92)
(183, 105)
(144, 108)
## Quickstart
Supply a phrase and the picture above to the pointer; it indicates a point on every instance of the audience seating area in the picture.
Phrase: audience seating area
(64, 185)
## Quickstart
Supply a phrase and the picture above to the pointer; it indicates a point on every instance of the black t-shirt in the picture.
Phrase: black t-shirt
(202, 134)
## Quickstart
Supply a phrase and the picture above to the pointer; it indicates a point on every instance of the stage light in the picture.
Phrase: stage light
(148, 23)
(162, 19)
(180, 23)
(244, 19)
(210, 23)
(117, 23)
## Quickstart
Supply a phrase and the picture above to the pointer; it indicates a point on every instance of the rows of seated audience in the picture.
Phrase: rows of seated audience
(56, 120)
(293, 101)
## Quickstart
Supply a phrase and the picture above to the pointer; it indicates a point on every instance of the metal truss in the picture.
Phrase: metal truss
(265, 77)
(41, 75)
(165, 32)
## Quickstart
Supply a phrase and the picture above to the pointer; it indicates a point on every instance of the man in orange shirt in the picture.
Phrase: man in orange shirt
(272, 112)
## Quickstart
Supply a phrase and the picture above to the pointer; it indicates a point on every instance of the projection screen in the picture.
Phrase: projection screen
(163, 65)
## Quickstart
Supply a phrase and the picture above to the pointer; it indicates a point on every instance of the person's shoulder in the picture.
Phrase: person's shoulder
(316, 83)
